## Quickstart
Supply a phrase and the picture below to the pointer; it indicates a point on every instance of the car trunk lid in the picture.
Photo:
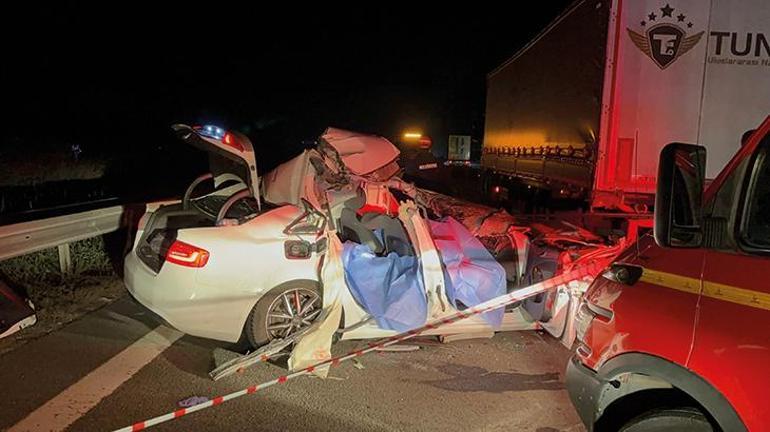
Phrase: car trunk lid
(230, 154)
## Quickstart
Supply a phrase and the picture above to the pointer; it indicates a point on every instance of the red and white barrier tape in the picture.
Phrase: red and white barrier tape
(495, 303)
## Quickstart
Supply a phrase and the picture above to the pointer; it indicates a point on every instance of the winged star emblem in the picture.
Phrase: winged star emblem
(664, 42)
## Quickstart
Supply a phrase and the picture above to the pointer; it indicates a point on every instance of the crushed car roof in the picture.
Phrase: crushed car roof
(362, 154)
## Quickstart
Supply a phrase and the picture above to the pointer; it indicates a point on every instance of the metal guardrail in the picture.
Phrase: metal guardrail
(27, 237)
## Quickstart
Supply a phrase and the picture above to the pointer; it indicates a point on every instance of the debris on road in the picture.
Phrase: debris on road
(191, 401)
(466, 336)
(399, 348)
(15, 312)
(267, 352)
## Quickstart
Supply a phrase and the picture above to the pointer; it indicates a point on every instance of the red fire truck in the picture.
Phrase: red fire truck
(674, 336)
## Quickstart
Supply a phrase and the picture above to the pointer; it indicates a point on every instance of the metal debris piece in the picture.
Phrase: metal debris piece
(265, 353)
(466, 336)
(399, 348)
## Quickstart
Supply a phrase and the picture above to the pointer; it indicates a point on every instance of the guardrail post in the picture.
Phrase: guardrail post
(65, 258)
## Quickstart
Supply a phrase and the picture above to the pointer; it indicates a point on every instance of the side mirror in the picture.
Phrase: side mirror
(679, 197)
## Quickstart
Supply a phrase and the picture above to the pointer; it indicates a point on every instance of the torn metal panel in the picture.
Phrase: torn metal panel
(263, 354)
(292, 181)
(430, 261)
(315, 344)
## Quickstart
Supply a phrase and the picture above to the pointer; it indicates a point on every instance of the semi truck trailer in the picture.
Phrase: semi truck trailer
(582, 111)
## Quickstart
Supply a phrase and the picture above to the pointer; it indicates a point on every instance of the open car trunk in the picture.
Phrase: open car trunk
(161, 226)
(161, 229)
(233, 172)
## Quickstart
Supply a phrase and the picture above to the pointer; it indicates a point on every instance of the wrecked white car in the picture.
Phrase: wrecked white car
(244, 257)
(252, 256)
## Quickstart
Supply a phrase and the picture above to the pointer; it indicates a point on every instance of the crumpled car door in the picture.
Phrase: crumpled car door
(315, 345)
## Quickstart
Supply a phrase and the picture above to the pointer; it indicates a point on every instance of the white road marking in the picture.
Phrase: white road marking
(68, 406)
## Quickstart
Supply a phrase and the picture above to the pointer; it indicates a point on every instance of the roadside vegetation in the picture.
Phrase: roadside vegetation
(59, 165)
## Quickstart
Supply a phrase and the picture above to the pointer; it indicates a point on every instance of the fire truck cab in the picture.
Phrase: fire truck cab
(675, 335)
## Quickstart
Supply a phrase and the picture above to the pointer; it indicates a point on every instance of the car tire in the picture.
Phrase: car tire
(678, 419)
(255, 329)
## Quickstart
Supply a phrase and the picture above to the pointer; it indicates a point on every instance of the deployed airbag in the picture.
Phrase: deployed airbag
(471, 273)
(388, 287)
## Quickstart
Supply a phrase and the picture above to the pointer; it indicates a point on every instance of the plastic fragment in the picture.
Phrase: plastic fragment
(192, 401)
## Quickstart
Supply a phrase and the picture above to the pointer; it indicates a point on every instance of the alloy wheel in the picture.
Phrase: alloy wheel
(291, 311)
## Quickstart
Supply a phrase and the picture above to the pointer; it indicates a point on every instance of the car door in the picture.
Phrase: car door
(732, 342)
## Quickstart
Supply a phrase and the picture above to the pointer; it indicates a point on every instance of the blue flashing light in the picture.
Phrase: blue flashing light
(211, 131)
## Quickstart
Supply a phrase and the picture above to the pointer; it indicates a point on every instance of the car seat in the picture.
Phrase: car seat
(352, 229)
(393, 233)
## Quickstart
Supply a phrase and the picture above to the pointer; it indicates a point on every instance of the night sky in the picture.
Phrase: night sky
(113, 79)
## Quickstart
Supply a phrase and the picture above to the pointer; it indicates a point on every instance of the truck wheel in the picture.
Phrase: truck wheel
(673, 419)
(283, 311)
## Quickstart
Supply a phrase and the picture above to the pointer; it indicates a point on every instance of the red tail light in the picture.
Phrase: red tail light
(187, 255)
(232, 141)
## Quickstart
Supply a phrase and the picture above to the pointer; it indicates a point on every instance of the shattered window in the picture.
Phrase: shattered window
(757, 228)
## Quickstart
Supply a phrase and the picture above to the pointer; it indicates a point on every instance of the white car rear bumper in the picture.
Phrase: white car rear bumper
(175, 295)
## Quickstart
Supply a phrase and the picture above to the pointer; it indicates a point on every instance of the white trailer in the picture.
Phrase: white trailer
(585, 108)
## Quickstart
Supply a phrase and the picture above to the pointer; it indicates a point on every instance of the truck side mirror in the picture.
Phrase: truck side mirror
(679, 196)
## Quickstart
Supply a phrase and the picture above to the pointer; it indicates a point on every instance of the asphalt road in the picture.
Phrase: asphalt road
(112, 368)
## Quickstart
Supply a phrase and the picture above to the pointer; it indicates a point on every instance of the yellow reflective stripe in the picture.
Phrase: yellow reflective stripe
(755, 299)
(732, 294)
(671, 280)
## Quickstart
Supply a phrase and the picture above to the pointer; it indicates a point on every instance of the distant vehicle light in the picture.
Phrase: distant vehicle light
(187, 255)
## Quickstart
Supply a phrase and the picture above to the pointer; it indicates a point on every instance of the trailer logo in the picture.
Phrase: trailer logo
(665, 39)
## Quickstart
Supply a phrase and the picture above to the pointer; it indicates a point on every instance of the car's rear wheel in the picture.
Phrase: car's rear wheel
(283, 311)
(675, 419)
